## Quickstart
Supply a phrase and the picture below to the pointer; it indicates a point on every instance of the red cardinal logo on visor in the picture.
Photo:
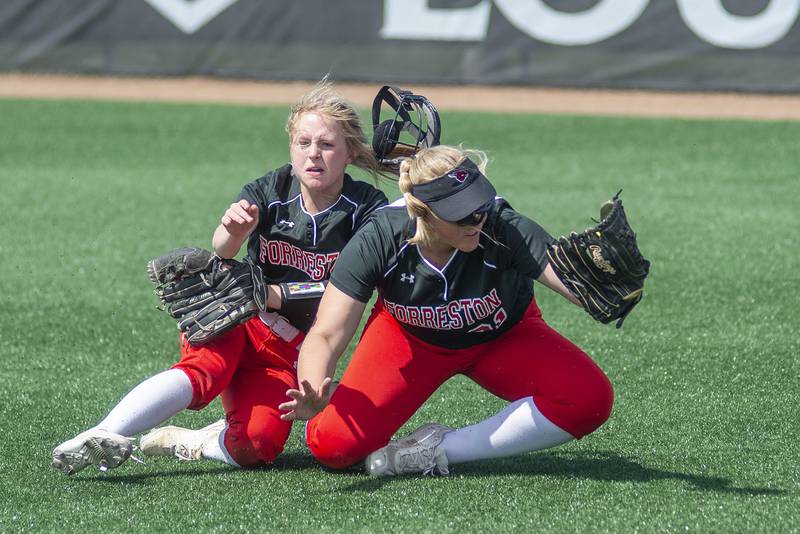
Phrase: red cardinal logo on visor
(459, 175)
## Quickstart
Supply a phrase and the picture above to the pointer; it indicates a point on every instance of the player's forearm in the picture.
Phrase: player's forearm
(226, 245)
(274, 297)
(317, 359)
(337, 321)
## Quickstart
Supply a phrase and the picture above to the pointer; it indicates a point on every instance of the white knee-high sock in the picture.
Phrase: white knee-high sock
(150, 403)
(519, 427)
(214, 449)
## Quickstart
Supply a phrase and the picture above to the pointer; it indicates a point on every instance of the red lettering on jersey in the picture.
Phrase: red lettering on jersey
(285, 254)
(492, 300)
(454, 315)
(441, 322)
(400, 313)
(480, 309)
(455, 318)
(428, 317)
(262, 249)
(466, 306)
(297, 258)
(413, 315)
(273, 252)
(331, 259)
(307, 261)
(316, 266)
(500, 317)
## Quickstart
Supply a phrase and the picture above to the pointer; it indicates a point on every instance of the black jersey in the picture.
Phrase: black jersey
(473, 299)
(292, 245)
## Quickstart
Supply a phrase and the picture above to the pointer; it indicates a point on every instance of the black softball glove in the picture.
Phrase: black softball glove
(207, 295)
(602, 266)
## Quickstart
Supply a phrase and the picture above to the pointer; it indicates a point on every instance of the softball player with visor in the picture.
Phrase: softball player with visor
(295, 220)
(454, 267)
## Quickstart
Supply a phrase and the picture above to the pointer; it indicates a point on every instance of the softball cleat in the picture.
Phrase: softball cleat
(183, 443)
(97, 447)
(419, 452)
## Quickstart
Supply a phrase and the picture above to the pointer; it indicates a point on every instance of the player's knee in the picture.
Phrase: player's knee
(202, 394)
(209, 367)
(334, 446)
(255, 444)
(594, 405)
(581, 408)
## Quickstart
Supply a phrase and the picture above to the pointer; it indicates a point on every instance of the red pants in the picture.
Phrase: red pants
(251, 368)
(392, 373)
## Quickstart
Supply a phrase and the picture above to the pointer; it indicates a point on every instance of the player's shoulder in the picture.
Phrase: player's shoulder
(361, 192)
(507, 224)
(390, 221)
(503, 213)
(275, 183)
(394, 214)
(279, 180)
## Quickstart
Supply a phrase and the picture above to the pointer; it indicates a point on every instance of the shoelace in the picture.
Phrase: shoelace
(182, 452)
(187, 453)
(414, 460)
(134, 458)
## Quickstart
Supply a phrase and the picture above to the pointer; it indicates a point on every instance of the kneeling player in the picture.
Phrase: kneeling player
(454, 267)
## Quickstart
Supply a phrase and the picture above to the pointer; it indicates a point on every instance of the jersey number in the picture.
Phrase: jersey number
(499, 318)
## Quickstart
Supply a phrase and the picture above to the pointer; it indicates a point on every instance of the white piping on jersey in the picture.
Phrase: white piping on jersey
(439, 272)
(304, 210)
(303, 206)
(283, 203)
(480, 245)
(399, 203)
(355, 205)
(395, 256)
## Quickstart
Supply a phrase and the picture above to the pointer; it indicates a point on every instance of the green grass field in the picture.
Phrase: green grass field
(704, 434)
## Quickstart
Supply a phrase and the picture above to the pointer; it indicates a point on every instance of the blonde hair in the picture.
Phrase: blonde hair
(426, 166)
(323, 100)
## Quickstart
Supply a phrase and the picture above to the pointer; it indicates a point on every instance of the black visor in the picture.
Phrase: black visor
(456, 194)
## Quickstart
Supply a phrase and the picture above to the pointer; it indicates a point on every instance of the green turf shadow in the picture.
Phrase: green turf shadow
(602, 466)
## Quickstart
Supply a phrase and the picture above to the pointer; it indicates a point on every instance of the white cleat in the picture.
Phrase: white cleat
(183, 443)
(97, 447)
(418, 452)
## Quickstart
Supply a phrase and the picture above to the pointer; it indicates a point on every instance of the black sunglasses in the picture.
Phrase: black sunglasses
(476, 217)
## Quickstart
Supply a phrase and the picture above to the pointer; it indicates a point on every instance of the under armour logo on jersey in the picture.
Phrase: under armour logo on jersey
(284, 222)
(404, 277)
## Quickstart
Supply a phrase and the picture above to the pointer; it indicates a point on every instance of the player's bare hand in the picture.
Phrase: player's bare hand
(240, 218)
(306, 402)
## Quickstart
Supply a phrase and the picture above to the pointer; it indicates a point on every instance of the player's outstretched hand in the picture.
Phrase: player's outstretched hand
(306, 402)
(240, 218)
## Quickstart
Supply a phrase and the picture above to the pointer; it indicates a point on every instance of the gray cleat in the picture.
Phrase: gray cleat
(420, 452)
(97, 447)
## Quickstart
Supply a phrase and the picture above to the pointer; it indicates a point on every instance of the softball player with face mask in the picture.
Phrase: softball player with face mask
(295, 221)
(454, 267)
